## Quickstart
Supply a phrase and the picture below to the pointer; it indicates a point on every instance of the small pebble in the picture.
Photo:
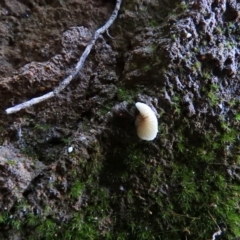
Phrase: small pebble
(70, 149)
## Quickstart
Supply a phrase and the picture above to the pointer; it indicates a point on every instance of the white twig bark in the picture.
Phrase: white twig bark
(78, 67)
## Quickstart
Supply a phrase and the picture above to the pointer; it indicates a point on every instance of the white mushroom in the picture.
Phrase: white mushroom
(146, 122)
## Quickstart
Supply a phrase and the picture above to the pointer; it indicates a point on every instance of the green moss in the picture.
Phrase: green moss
(42, 127)
(219, 30)
(106, 108)
(4, 217)
(237, 117)
(29, 151)
(213, 95)
(150, 190)
(65, 140)
(146, 68)
(198, 65)
(11, 162)
(206, 75)
(184, 5)
(125, 94)
(76, 189)
(153, 23)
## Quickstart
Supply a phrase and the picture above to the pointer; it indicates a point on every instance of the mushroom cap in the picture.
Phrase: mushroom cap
(146, 122)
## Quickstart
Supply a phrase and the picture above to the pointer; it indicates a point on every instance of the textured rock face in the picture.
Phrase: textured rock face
(179, 57)
(17, 172)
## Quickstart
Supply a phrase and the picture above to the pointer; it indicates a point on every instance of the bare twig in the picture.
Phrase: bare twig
(109, 34)
(78, 67)
(182, 215)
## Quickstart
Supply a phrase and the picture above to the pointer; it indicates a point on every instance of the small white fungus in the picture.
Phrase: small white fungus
(146, 122)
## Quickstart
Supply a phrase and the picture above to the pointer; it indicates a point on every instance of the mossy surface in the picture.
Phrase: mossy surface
(184, 184)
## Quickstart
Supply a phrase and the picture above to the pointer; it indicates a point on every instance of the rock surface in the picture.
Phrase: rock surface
(87, 174)
(17, 172)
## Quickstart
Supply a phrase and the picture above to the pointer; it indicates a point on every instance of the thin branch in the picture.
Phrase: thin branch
(78, 67)
(182, 215)
(109, 35)
(219, 232)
